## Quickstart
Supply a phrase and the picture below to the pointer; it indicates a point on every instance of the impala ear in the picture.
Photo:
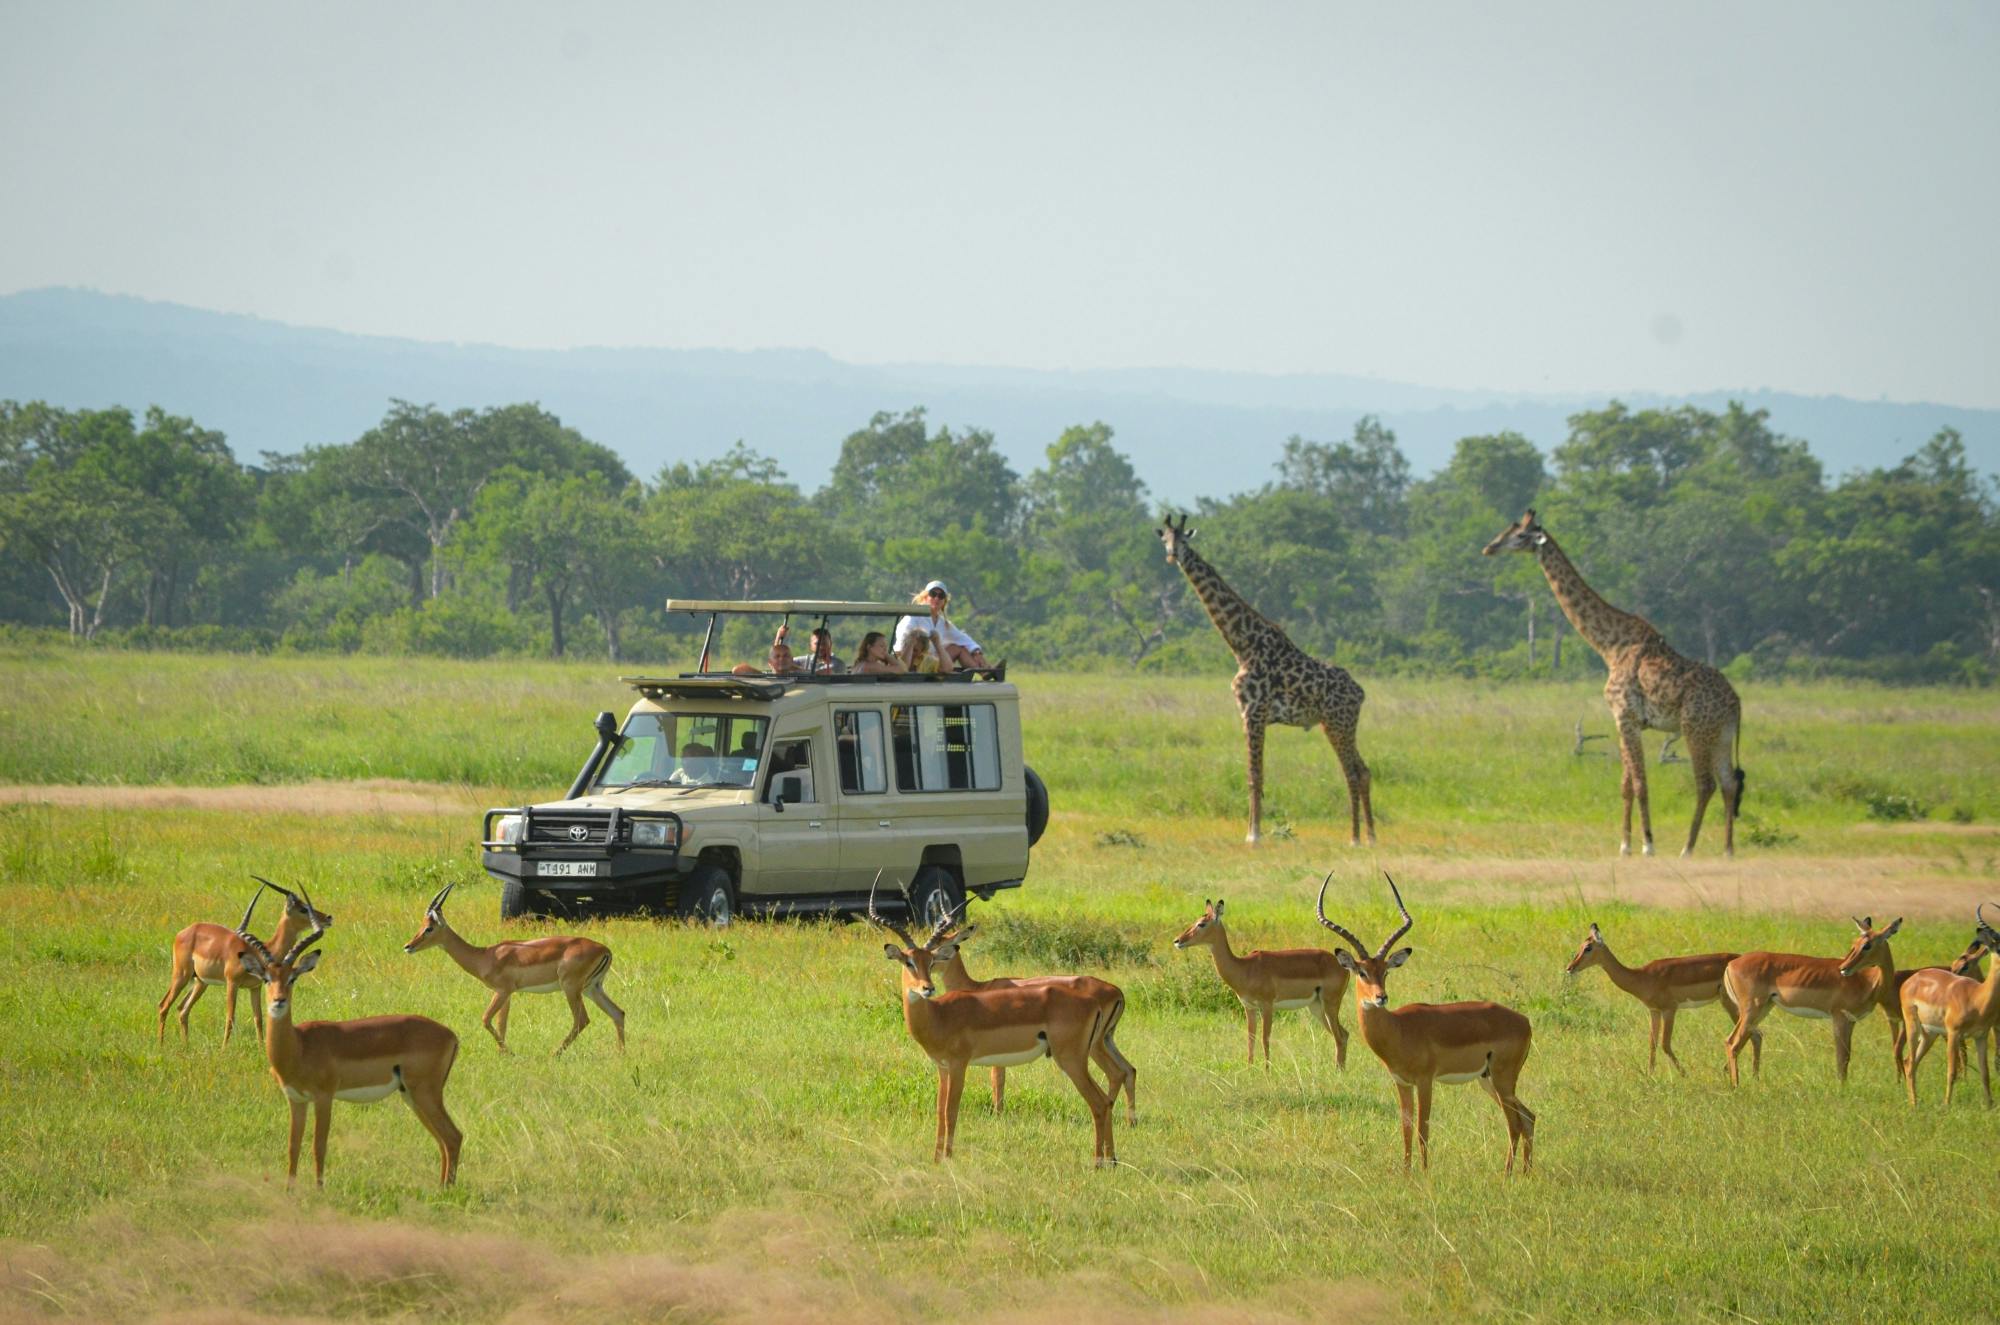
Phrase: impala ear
(1593, 932)
(1218, 908)
(892, 952)
(306, 964)
(255, 964)
(1398, 957)
(1893, 927)
(1346, 962)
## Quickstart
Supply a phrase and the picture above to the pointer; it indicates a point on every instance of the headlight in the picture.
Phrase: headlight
(653, 833)
(507, 829)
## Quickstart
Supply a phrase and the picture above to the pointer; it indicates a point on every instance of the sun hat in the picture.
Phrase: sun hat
(939, 586)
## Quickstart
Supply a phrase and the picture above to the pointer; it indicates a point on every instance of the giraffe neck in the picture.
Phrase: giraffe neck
(1603, 626)
(1243, 629)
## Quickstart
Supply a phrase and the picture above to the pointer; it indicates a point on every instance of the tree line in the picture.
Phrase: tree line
(504, 531)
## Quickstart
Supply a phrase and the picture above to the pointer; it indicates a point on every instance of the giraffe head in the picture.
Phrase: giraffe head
(1175, 537)
(1524, 535)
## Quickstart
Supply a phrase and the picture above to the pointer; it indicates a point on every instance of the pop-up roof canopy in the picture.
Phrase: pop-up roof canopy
(786, 607)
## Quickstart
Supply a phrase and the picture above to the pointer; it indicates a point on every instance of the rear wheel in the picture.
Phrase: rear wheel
(934, 894)
(1038, 805)
(708, 897)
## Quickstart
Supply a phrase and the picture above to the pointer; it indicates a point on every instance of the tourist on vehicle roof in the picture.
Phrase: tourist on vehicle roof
(948, 642)
(875, 655)
(822, 662)
(781, 662)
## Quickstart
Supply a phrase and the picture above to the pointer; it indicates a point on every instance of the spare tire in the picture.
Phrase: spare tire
(1038, 805)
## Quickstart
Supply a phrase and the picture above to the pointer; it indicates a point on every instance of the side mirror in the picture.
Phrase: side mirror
(791, 789)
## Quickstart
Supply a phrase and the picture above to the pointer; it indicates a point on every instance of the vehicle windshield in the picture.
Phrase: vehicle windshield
(686, 750)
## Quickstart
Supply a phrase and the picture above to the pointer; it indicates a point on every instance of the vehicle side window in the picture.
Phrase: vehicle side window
(946, 747)
(857, 744)
(791, 767)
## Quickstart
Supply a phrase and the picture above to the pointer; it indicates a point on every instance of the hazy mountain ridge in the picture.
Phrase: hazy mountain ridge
(274, 387)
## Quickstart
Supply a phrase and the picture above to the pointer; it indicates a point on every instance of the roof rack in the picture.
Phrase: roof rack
(822, 608)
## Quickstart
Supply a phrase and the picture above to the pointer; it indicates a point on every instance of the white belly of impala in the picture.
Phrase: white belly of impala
(1289, 1004)
(1013, 1059)
(366, 1094)
(1458, 1078)
(549, 988)
(1814, 1014)
(1699, 1002)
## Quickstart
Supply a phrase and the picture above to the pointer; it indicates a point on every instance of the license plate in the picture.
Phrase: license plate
(569, 869)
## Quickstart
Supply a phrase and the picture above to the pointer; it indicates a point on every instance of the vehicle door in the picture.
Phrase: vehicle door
(798, 844)
(867, 813)
(947, 767)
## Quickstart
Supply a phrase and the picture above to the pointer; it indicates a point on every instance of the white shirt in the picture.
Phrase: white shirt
(942, 628)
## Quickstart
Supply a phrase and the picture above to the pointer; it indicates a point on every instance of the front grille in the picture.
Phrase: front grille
(560, 829)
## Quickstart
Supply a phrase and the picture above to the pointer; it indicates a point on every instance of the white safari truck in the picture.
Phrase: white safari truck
(723, 793)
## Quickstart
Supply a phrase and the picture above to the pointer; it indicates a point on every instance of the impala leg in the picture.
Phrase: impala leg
(578, 1017)
(597, 995)
(1843, 1045)
(256, 993)
(298, 1135)
(1119, 1074)
(1250, 1029)
(1652, 1039)
(1329, 1016)
(1424, 1121)
(999, 1090)
(187, 1004)
(1920, 1048)
(1667, 1039)
(229, 1016)
(1406, 1106)
(1985, 1079)
(497, 1007)
(957, 1089)
(1747, 1017)
(181, 975)
(1253, 741)
(1076, 1067)
(1270, 1010)
(322, 1123)
(1954, 1056)
(1913, 1034)
(427, 1102)
(1355, 769)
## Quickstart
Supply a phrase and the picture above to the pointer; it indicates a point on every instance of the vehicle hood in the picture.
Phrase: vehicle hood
(678, 799)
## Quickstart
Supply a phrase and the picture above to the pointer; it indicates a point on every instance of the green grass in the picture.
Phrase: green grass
(762, 1148)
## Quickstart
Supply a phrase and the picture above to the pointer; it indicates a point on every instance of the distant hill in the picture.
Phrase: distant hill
(273, 387)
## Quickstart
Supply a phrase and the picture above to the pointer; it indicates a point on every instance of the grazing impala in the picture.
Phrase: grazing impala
(1961, 1009)
(1423, 1044)
(948, 966)
(1842, 990)
(206, 954)
(998, 1028)
(1665, 985)
(360, 1061)
(1275, 981)
(574, 967)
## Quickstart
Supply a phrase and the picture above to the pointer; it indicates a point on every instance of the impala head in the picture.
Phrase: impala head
(434, 922)
(1205, 927)
(1524, 535)
(1967, 962)
(1871, 946)
(1988, 937)
(278, 972)
(917, 958)
(1590, 954)
(1175, 537)
(297, 909)
(1371, 972)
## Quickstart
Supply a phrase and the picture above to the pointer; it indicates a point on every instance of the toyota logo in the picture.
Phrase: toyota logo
(578, 833)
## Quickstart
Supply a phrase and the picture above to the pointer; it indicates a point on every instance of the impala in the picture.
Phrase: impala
(1966, 963)
(1665, 985)
(1842, 990)
(998, 1028)
(1276, 981)
(207, 954)
(1961, 1009)
(360, 1061)
(1423, 1044)
(575, 967)
(948, 966)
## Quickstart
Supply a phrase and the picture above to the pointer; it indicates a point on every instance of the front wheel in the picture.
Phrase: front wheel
(708, 897)
(516, 901)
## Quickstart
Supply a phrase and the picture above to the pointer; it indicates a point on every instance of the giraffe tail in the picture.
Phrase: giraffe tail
(1736, 762)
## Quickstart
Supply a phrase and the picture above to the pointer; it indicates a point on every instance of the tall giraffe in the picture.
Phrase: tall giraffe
(1649, 685)
(1277, 682)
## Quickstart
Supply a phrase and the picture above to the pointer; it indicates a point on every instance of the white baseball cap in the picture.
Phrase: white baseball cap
(939, 586)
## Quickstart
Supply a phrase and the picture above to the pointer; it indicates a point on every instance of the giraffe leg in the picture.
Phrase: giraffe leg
(1356, 771)
(1731, 778)
(1253, 740)
(1633, 751)
(1702, 755)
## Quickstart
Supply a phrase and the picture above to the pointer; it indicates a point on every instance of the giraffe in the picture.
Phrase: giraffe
(1649, 685)
(1277, 682)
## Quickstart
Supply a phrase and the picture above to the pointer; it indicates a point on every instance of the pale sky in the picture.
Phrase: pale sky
(1577, 196)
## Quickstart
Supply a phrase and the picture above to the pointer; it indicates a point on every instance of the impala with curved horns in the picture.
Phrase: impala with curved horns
(573, 967)
(948, 965)
(1841, 990)
(996, 1028)
(1275, 981)
(1425, 1044)
(208, 954)
(359, 1061)
(1961, 1009)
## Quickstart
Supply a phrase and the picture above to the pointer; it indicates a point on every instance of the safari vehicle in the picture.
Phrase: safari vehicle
(722, 794)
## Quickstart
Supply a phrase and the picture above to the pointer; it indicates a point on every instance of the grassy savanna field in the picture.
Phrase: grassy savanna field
(762, 1150)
